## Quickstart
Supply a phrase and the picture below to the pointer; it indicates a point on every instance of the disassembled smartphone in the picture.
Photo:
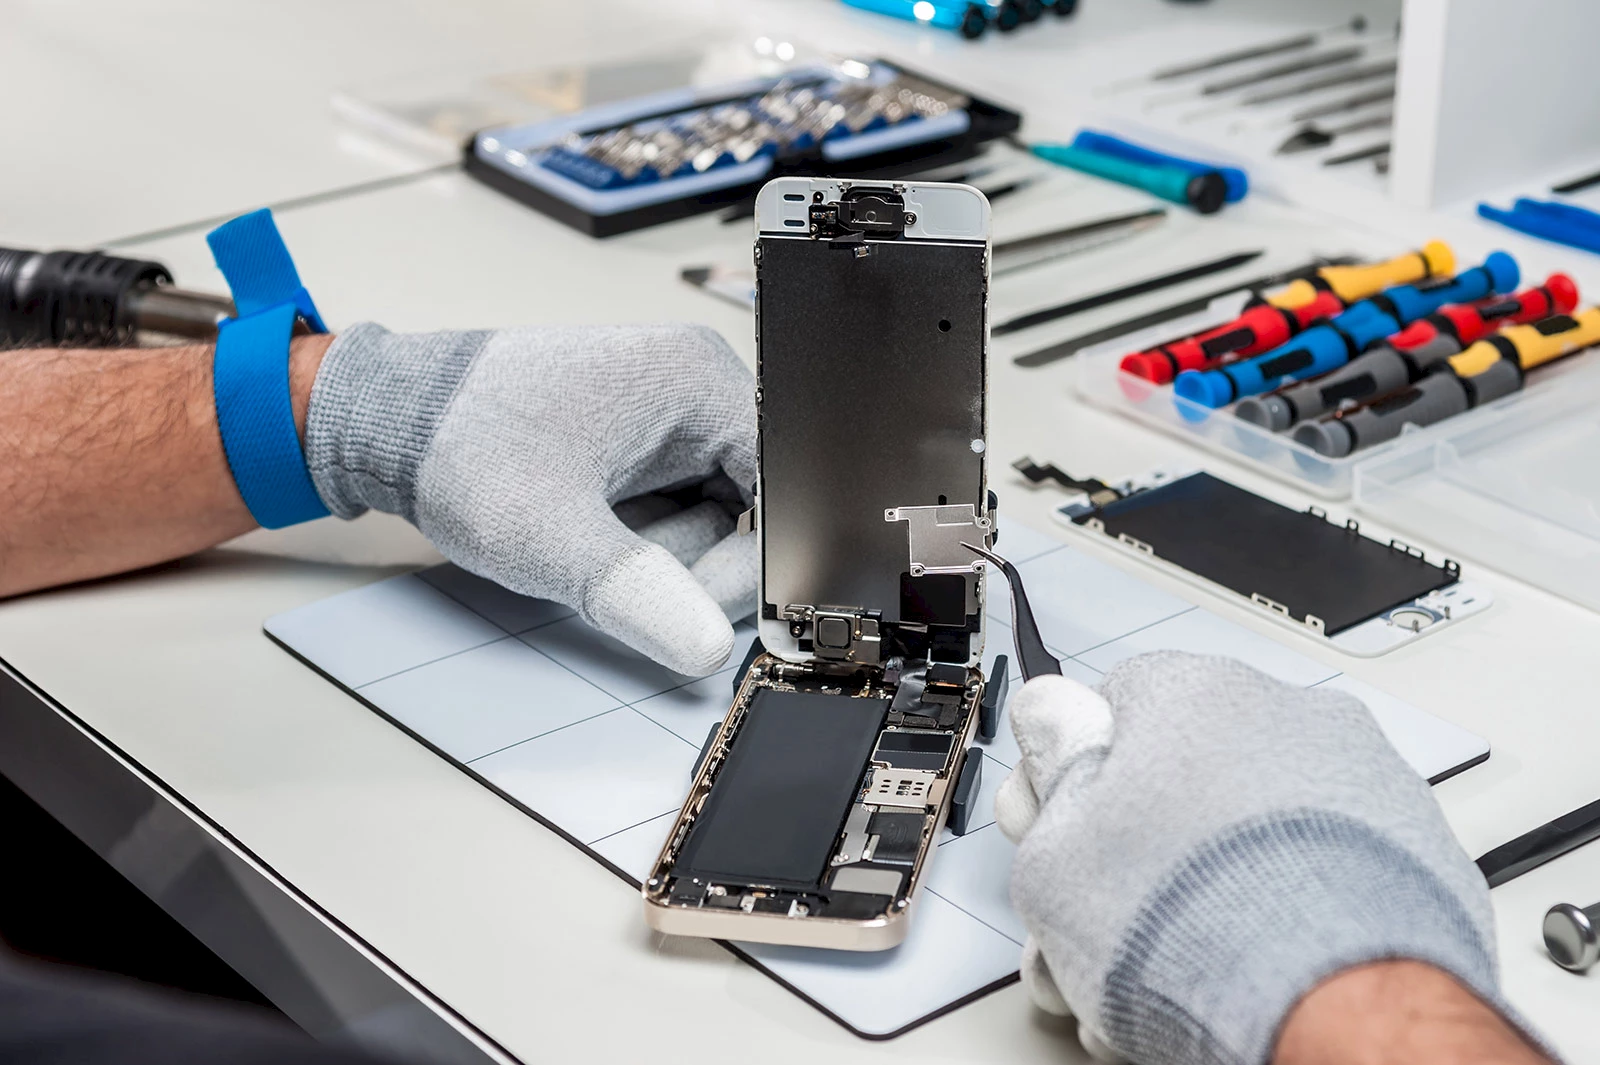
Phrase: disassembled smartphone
(819, 799)
(1323, 578)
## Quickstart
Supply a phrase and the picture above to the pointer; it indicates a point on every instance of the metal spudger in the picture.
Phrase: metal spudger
(1032, 656)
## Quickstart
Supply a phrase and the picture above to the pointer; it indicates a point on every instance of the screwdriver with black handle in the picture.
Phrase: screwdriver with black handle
(1407, 356)
(1491, 368)
(90, 299)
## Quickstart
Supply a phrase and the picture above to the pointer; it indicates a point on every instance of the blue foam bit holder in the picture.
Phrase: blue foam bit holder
(594, 174)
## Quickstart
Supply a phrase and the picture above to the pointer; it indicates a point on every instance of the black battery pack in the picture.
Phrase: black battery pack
(781, 800)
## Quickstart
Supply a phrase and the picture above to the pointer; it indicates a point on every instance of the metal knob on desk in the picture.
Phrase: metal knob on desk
(1570, 936)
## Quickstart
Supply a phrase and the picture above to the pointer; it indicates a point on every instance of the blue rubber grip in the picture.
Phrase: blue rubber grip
(1315, 351)
(1545, 226)
(1578, 217)
(1094, 140)
(1497, 273)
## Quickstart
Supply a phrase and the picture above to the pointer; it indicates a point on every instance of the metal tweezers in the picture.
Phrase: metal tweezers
(1032, 655)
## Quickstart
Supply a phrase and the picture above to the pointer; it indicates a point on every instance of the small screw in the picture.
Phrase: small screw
(816, 197)
(1569, 936)
(911, 218)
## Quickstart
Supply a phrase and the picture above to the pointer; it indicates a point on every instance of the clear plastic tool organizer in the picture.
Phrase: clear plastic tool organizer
(1514, 484)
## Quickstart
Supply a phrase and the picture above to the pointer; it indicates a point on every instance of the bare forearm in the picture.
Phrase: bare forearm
(1398, 1013)
(114, 460)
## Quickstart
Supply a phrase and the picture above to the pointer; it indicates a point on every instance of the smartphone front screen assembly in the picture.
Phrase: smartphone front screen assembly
(822, 793)
(1364, 595)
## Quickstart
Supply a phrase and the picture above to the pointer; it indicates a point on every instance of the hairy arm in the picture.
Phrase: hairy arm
(1398, 1013)
(113, 460)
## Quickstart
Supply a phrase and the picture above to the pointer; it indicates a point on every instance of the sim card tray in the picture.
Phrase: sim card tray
(936, 534)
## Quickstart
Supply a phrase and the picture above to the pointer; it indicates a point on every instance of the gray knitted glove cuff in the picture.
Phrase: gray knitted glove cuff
(375, 406)
(1221, 952)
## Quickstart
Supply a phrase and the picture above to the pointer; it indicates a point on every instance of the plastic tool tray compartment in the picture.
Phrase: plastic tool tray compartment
(673, 154)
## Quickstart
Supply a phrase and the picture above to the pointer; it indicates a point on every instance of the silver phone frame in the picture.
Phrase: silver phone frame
(944, 211)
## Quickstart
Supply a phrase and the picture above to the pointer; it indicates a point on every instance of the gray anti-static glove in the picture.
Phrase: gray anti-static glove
(536, 457)
(1201, 844)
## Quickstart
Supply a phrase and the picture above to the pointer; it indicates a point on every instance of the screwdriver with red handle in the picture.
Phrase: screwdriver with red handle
(1468, 323)
(1258, 329)
(1408, 355)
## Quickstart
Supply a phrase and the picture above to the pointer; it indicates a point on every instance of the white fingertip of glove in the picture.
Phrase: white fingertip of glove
(691, 532)
(730, 572)
(649, 601)
(1016, 807)
(1063, 728)
(1040, 984)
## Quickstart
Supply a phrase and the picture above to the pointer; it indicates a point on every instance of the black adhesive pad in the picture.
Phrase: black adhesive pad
(779, 803)
(1252, 545)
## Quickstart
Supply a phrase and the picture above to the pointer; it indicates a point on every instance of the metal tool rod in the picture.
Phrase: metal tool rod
(177, 312)
(1138, 288)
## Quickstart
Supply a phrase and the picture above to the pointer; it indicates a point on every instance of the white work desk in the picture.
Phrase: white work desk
(378, 893)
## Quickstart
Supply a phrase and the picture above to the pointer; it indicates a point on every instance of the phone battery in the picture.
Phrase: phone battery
(779, 804)
(1262, 550)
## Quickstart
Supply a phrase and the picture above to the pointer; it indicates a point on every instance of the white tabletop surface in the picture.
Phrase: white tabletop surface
(526, 937)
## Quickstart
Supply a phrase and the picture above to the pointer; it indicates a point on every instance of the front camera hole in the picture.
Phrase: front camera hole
(944, 325)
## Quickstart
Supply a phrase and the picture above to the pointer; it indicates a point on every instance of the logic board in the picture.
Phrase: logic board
(831, 783)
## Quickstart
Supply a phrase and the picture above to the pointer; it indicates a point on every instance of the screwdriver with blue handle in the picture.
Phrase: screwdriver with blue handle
(1329, 346)
(1206, 190)
(1493, 367)
(1236, 180)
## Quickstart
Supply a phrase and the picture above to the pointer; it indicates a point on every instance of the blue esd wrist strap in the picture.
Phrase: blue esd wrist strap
(251, 371)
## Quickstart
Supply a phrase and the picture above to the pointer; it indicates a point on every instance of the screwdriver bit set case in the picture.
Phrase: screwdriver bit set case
(654, 158)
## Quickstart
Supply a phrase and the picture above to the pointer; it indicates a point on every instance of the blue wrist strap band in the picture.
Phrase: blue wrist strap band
(251, 371)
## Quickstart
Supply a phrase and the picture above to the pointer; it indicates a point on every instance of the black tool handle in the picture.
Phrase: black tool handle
(1032, 656)
(1551, 840)
(1433, 399)
(1375, 373)
(70, 298)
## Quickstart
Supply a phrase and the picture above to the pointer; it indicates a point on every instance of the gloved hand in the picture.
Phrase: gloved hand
(536, 457)
(1201, 845)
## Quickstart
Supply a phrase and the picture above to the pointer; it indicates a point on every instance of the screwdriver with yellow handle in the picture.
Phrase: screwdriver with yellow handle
(1352, 283)
(1493, 367)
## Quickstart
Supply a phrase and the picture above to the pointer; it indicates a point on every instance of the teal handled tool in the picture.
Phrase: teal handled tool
(1094, 140)
(968, 18)
(1204, 190)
